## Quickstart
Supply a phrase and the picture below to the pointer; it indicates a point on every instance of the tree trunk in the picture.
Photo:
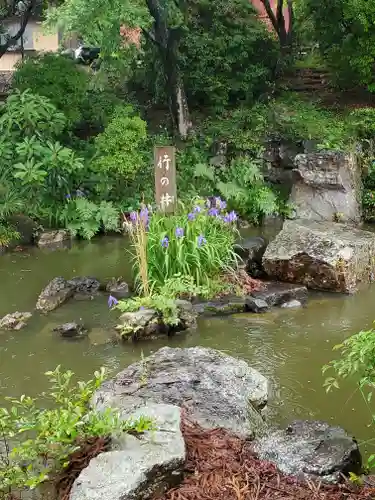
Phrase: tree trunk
(178, 104)
(167, 41)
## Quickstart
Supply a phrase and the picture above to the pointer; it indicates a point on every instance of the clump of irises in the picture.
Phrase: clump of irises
(196, 242)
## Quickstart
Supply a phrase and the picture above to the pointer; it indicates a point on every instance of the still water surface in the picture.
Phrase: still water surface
(288, 346)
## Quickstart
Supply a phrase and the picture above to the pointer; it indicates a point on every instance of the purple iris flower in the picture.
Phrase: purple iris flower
(214, 212)
(232, 216)
(191, 216)
(197, 209)
(223, 205)
(133, 216)
(68, 196)
(112, 301)
(179, 232)
(165, 242)
(201, 240)
(144, 215)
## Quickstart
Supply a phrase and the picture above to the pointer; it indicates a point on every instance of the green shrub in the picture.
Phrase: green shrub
(343, 29)
(356, 362)
(226, 55)
(7, 235)
(36, 171)
(197, 243)
(58, 78)
(293, 118)
(40, 435)
(120, 148)
(85, 218)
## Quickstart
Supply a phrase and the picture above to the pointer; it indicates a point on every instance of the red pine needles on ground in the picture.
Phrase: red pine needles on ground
(220, 466)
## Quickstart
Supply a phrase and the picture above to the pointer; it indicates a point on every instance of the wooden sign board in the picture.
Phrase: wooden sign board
(165, 178)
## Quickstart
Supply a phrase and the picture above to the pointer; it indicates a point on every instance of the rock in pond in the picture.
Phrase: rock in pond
(251, 251)
(321, 255)
(85, 287)
(221, 307)
(292, 304)
(276, 294)
(215, 389)
(58, 291)
(146, 324)
(327, 187)
(15, 321)
(71, 330)
(137, 467)
(311, 449)
(118, 288)
(54, 239)
(256, 305)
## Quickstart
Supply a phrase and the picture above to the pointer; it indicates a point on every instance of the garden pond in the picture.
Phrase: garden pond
(289, 346)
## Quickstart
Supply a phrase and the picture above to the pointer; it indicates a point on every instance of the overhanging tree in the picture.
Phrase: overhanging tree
(99, 22)
(11, 8)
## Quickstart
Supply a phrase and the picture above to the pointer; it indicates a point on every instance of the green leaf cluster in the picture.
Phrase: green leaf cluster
(38, 435)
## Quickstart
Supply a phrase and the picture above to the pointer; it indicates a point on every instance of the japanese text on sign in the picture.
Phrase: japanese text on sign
(165, 178)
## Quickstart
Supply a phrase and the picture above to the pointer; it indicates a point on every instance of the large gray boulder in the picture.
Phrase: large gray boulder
(311, 449)
(321, 255)
(327, 187)
(137, 467)
(216, 390)
(58, 291)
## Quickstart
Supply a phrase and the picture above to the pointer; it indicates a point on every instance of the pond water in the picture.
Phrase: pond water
(288, 346)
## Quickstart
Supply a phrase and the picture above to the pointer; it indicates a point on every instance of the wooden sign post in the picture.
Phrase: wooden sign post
(165, 178)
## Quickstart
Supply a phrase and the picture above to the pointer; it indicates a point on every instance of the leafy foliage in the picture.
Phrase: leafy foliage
(165, 306)
(356, 361)
(56, 77)
(35, 169)
(7, 235)
(120, 148)
(85, 218)
(243, 186)
(226, 37)
(38, 437)
(346, 38)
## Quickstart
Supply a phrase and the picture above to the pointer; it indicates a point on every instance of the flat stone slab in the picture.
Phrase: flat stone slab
(215, 389)
(311, 449)
(321, 255)
(137, 467)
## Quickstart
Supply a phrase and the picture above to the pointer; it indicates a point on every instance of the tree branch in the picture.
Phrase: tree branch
(24, 20)
(270, 14)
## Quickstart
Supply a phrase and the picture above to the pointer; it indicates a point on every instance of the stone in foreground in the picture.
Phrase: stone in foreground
(311, 449)
(321, 255)
(215, 389)
(327, 187)
(14, 321)
(137, 467)
(54, 294)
